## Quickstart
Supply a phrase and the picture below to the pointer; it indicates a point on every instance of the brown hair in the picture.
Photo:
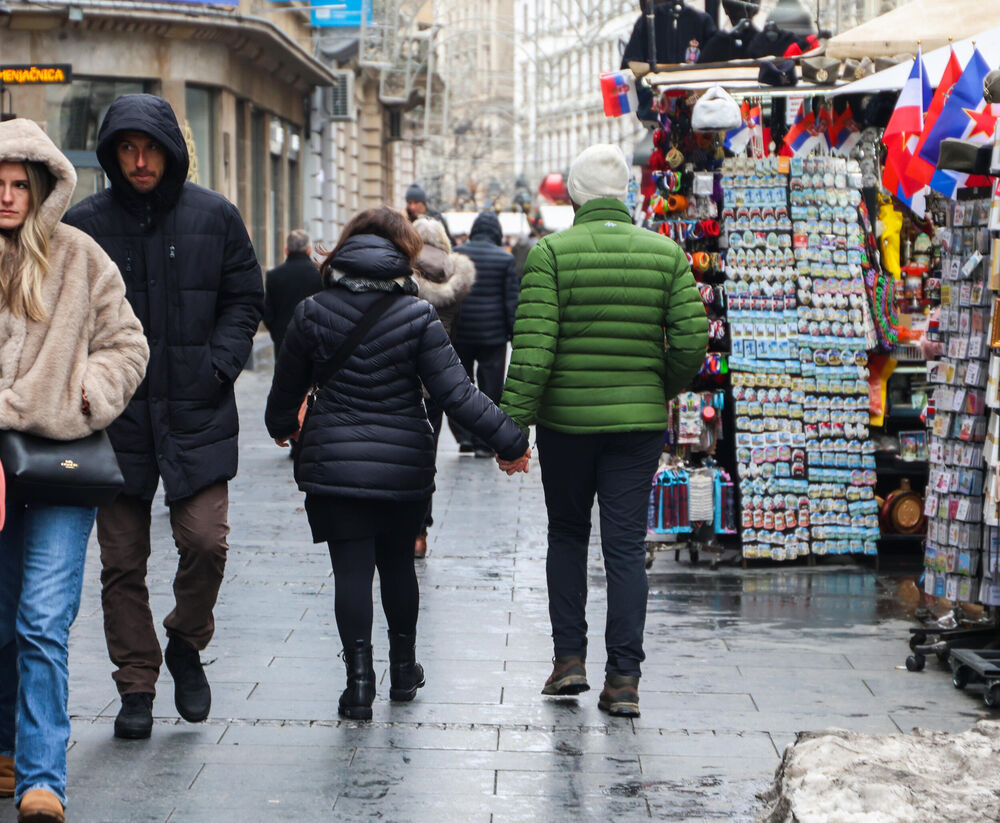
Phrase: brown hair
(24, 253)
(383, 222)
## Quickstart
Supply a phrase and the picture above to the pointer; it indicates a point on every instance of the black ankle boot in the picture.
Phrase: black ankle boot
(406, 675)
(356, 700)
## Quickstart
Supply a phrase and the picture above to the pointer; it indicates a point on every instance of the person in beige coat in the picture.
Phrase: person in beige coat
(72, 353)
(443, 279)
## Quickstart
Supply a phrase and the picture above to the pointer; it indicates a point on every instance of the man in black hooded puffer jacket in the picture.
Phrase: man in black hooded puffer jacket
(486, 321)
(193, 279)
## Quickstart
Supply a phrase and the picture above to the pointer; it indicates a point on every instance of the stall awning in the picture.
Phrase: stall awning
(988, 43)
(737, 80)
(931, 23)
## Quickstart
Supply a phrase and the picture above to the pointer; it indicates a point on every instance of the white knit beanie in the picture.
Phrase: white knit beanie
(600, 171)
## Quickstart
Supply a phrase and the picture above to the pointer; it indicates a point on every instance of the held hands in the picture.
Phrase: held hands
(513, 466)
(283, 441)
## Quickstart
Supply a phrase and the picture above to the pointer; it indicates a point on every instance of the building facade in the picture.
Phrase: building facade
(563, 46)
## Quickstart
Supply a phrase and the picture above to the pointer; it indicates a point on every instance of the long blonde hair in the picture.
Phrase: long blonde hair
(24, 253)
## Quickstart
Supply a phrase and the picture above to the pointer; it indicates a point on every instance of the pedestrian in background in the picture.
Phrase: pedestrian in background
(195, 283)
(610, 326)
(73, 353)
(416, 207)
(443, 279)
(366, 461)
(287, 285)
(487, 319)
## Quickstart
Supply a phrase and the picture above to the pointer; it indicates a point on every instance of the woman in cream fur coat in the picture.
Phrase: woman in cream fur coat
(443, 280)
(72, 353)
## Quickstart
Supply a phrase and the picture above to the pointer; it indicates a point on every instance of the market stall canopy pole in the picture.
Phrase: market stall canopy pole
(929, 22)
(988, 43)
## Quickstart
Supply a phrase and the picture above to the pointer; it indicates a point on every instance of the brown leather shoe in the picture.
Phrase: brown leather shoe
(569, 676)
(620, 695)
(420, 547)
(40, 806)
(6, 776)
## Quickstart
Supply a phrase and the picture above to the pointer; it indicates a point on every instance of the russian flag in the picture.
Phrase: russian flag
(737, 139)
(844, 134)
(920, 169)
(618, 92)
(965, 115)
(905, 126)
(803, 134)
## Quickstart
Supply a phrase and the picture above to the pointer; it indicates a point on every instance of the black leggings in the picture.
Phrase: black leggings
(354, 564)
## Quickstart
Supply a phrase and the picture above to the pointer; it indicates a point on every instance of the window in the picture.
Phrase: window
(200, 105)
(74, 113)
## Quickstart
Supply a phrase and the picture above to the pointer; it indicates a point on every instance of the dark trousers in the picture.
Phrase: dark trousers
(200, 527)
(485, 367)
(390, 550)
(619, 468)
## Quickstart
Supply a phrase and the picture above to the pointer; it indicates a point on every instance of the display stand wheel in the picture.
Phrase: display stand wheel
(915, 663)
(991, 697)
(960, 677)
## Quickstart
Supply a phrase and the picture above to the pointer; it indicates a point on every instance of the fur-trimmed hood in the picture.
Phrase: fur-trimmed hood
(444, 279)
(90, 338)
(23, 140)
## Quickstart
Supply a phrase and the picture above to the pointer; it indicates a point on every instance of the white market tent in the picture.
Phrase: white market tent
(893, 79)
(512, 223)
(932, 23)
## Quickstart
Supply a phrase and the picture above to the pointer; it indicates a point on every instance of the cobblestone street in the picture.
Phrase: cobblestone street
(737, 663)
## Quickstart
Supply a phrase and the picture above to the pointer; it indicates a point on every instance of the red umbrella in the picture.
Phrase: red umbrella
(554, 188)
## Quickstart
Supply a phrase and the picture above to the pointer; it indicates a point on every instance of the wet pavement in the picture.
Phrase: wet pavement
(737, 663)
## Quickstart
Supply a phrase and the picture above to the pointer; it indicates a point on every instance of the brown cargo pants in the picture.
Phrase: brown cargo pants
(200, 527)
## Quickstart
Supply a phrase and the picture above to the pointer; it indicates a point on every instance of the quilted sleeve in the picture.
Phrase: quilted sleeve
(686, 329)
(536, 333)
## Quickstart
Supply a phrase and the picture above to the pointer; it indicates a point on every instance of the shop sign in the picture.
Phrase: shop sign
(340, 13)
(32, 75)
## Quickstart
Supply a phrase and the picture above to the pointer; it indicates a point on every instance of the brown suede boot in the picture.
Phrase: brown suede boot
(569, 676)
(40, 806)
(6, 776)
(620, 695)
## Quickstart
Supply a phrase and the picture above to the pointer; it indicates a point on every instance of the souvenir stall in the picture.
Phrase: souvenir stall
(783, 278)
(820, 293)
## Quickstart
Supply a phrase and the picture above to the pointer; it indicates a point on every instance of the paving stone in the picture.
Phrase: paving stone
(737, 663)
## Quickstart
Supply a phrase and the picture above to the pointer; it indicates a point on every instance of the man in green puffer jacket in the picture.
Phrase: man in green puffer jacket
(609, 327)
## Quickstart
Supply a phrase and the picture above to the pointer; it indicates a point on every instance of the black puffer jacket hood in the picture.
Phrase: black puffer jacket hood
(372, 257)
(487, 227)
(153, 116)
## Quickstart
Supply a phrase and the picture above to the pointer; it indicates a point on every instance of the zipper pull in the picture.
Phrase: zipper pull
(172, 251)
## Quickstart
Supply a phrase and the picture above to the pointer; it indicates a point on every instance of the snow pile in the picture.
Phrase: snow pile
(838, 776)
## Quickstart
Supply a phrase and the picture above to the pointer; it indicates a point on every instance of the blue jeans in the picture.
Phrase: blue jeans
(42, 550)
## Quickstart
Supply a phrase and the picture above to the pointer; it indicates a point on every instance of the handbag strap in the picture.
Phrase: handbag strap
(351, 342)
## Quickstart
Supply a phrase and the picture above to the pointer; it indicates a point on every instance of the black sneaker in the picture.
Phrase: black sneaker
(483, 452)
(192, 694)
(466, 448)
(135, 718)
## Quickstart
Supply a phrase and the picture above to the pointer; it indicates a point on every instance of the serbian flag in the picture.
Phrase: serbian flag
(905, 127)
(803, 134)
(965, 115)
(739, 138)
(920, 169)
(844, 134)
(618, 91)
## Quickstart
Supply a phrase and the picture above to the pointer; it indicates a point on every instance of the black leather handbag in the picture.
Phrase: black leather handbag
(82, 472)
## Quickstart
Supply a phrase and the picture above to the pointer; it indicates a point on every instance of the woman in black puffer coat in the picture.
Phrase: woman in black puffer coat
(366, 461)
